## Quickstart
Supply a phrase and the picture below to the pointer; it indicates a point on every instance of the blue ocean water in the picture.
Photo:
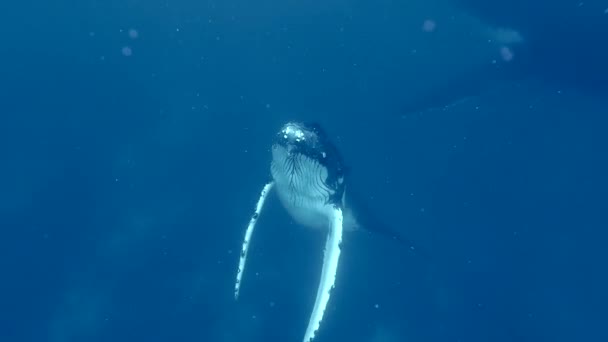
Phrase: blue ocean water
(135, 137)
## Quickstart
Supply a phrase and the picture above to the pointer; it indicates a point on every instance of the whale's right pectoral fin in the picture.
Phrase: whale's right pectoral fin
(328, 273)
(248, 233)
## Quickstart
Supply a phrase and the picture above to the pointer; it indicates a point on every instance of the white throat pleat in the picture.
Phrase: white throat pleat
(302, 178)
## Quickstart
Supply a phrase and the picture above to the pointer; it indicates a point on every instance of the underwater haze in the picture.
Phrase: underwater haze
(135, 139)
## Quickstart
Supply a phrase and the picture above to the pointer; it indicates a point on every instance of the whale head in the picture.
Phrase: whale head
(308, 172)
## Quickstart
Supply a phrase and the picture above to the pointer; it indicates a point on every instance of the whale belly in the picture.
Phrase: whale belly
(311, 216)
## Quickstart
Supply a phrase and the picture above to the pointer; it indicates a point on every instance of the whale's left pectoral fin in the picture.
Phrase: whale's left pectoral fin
(328, 273)
(248, 234)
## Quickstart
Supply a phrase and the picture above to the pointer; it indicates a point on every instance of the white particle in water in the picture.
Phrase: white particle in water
(133, 34)
(506, 54)
(126, 51)
(429, 25)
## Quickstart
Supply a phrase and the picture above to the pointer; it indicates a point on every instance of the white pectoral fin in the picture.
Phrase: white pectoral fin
(328, 273)
(248, 233)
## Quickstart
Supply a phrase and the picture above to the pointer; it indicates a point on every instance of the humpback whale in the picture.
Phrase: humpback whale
(308, 177)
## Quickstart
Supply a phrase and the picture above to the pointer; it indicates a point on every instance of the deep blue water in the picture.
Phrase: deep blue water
(134, 140)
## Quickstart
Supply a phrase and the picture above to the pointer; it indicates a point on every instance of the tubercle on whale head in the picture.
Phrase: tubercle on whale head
(308, 138)
(301, 136)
